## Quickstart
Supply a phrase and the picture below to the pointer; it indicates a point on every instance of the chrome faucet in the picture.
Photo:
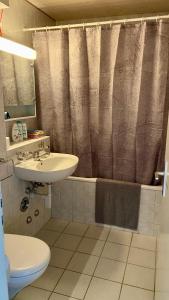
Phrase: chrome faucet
(20, 155)
(24, 155)
(47, 149)
(36, 154)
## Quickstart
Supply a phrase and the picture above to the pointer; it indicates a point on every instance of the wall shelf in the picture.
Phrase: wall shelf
(16, 146)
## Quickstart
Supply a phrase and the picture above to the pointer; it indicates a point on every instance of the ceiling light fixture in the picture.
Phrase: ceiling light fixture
(17, 49)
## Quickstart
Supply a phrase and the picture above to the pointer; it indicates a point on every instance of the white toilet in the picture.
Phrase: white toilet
(28, 259)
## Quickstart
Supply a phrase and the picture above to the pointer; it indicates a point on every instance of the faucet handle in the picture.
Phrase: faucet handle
(47, 149)
(28, 154)
(36, 153)
(20, 155)
(41, 145)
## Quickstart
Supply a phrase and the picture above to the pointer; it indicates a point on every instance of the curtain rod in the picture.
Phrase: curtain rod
(123, 21)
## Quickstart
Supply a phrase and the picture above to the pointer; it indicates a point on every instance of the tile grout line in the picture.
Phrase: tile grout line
(125, 267)
(65, 269)
(155, 270)
(99, 257)
(56, 239)
(84, 236)
(96, 265)
(56, 267)
(155, 198)
(92, 277)
(92, 238)
(57, 293)
(103, 240)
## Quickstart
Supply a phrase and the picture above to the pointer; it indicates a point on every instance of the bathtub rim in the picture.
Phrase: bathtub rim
(93, 180)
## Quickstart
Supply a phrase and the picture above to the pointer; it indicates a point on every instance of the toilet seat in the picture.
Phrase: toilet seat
(27, 255)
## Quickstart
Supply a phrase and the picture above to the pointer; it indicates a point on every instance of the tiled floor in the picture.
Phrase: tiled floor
(94, 263)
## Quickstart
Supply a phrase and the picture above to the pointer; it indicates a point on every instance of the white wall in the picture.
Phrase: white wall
(15, 221)
(20, 14)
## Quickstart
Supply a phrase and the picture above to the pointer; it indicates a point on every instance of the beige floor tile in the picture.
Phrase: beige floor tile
(60, 257)
(83, 263)
(115, 251)
(144, 242)
(142, 257)
(49, 279)
(67, 241)
(97, 232)
(76, 228)
(73, 284)
(101, 289)
(133, 293)
(32, 293)
(110, 269)
(139, 277)
(91, 246)
(55, 296)
(56, 225)
(120, 237)
(48, 236)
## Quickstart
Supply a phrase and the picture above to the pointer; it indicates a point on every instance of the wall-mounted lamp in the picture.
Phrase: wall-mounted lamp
(11, 47)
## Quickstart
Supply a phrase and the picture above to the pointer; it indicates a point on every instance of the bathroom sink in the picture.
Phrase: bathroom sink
(54, 167)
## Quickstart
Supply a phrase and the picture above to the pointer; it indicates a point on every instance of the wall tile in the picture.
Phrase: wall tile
(147, 206)
(84, 202)
(146, 228)
(13, 191)
(62, 199)
(75, 200)
(158, 199)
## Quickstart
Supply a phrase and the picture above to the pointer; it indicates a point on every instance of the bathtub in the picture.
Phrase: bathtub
(74, 200)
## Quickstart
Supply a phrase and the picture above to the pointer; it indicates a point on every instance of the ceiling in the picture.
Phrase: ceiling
(62, 10)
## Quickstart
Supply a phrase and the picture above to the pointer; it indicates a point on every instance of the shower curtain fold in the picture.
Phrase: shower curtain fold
(102, 94)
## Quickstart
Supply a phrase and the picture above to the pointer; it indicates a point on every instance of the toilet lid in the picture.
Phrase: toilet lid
(27, 255)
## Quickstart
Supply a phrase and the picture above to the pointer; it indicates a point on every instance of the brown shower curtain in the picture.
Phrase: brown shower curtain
(103, 96)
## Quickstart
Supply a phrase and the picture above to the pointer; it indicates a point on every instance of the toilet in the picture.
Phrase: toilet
(28, 259)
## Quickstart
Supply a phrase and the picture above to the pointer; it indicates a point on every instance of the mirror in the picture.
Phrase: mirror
(18, 83)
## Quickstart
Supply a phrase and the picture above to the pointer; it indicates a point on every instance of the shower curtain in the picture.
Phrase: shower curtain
(103, 97)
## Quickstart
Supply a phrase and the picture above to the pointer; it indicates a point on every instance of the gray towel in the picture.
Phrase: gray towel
(117, 203)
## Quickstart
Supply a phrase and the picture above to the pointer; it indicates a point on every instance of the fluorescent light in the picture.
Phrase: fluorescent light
(16, 49)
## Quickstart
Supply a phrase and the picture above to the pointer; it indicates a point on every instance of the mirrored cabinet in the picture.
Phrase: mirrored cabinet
(18, 86)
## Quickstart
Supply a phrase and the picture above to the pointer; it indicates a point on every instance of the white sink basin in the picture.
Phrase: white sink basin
(56, 166)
